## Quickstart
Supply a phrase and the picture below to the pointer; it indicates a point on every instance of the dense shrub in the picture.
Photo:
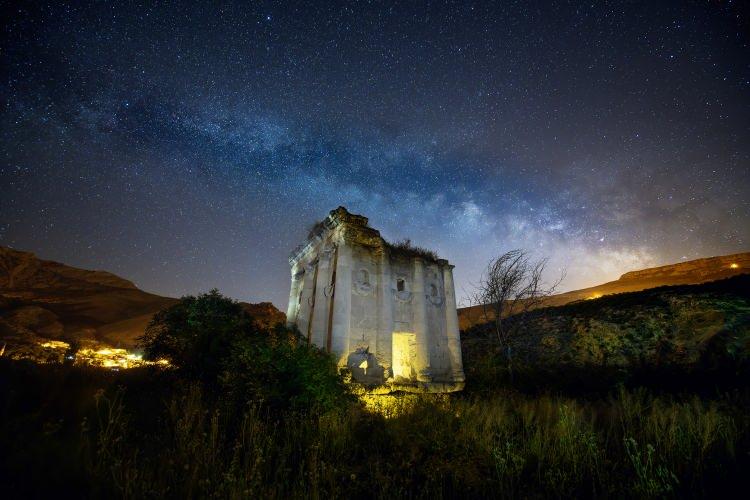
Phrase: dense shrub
(406, 249)
(198, 334)
(212, 339)
(283, 372)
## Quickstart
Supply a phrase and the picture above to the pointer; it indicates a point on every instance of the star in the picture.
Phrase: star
(193, 151)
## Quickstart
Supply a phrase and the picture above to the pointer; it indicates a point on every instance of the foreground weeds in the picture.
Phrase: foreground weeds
(132, 440)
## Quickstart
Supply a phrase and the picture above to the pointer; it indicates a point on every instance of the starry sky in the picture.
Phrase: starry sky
(190, 147)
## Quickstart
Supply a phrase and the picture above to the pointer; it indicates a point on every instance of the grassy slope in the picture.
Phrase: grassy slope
(681, 328)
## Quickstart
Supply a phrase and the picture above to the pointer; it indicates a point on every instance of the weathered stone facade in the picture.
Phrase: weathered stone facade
(387, 314)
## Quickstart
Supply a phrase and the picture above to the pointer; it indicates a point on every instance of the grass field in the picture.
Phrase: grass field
(138, 433)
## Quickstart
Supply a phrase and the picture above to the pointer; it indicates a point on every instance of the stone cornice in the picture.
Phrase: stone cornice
(352, 229)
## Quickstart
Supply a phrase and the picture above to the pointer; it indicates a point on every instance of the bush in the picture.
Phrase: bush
(284, 372)
(405, 249)
(213, 339)
(198, 334)
(687, 337)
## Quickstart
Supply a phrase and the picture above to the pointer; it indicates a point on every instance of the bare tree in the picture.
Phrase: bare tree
(511, 285)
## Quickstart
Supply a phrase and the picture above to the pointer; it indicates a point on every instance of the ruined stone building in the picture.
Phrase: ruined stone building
(388, 312)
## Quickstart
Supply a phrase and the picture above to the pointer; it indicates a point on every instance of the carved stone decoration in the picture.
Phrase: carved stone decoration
(361, 288)
(435, 300)
(327, 254)
(362, 285)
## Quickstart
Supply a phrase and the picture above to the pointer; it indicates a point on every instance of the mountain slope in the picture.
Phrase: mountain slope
(23, 271)
(42, 299)
(683, 273)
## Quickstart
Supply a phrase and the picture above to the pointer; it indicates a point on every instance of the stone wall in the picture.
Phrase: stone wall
(377, 311)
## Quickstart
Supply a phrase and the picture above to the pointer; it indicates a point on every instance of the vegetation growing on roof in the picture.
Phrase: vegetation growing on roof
(405, 248)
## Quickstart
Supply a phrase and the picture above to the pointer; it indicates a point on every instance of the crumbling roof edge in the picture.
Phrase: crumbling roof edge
(341, 216)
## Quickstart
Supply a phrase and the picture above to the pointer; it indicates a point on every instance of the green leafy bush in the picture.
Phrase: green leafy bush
(284, 372)
(212, 339)
(198, 334)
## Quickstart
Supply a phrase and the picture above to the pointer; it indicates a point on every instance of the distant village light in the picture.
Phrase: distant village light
(734, 265)
(55, 344)
(107, 357)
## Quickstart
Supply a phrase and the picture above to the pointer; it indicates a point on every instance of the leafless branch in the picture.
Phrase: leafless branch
(512, 284)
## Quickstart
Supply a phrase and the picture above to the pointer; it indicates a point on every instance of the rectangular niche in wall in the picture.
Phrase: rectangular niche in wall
(404, 355)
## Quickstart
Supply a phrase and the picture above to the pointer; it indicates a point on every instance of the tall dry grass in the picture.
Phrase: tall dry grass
(631, 444)
(144, 437)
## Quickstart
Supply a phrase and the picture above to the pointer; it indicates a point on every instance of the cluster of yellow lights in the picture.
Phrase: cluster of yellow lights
(107, 357)
(594, 296)
(734, 265)
(114, 358)
(55, 344)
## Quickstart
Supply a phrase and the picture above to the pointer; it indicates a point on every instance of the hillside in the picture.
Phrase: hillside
(41, 299)
(683, 328)
(683, 273)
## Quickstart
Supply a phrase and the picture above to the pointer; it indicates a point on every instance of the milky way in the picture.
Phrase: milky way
(191, 147)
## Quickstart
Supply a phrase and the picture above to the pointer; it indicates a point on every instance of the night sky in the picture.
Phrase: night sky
(192, 147)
